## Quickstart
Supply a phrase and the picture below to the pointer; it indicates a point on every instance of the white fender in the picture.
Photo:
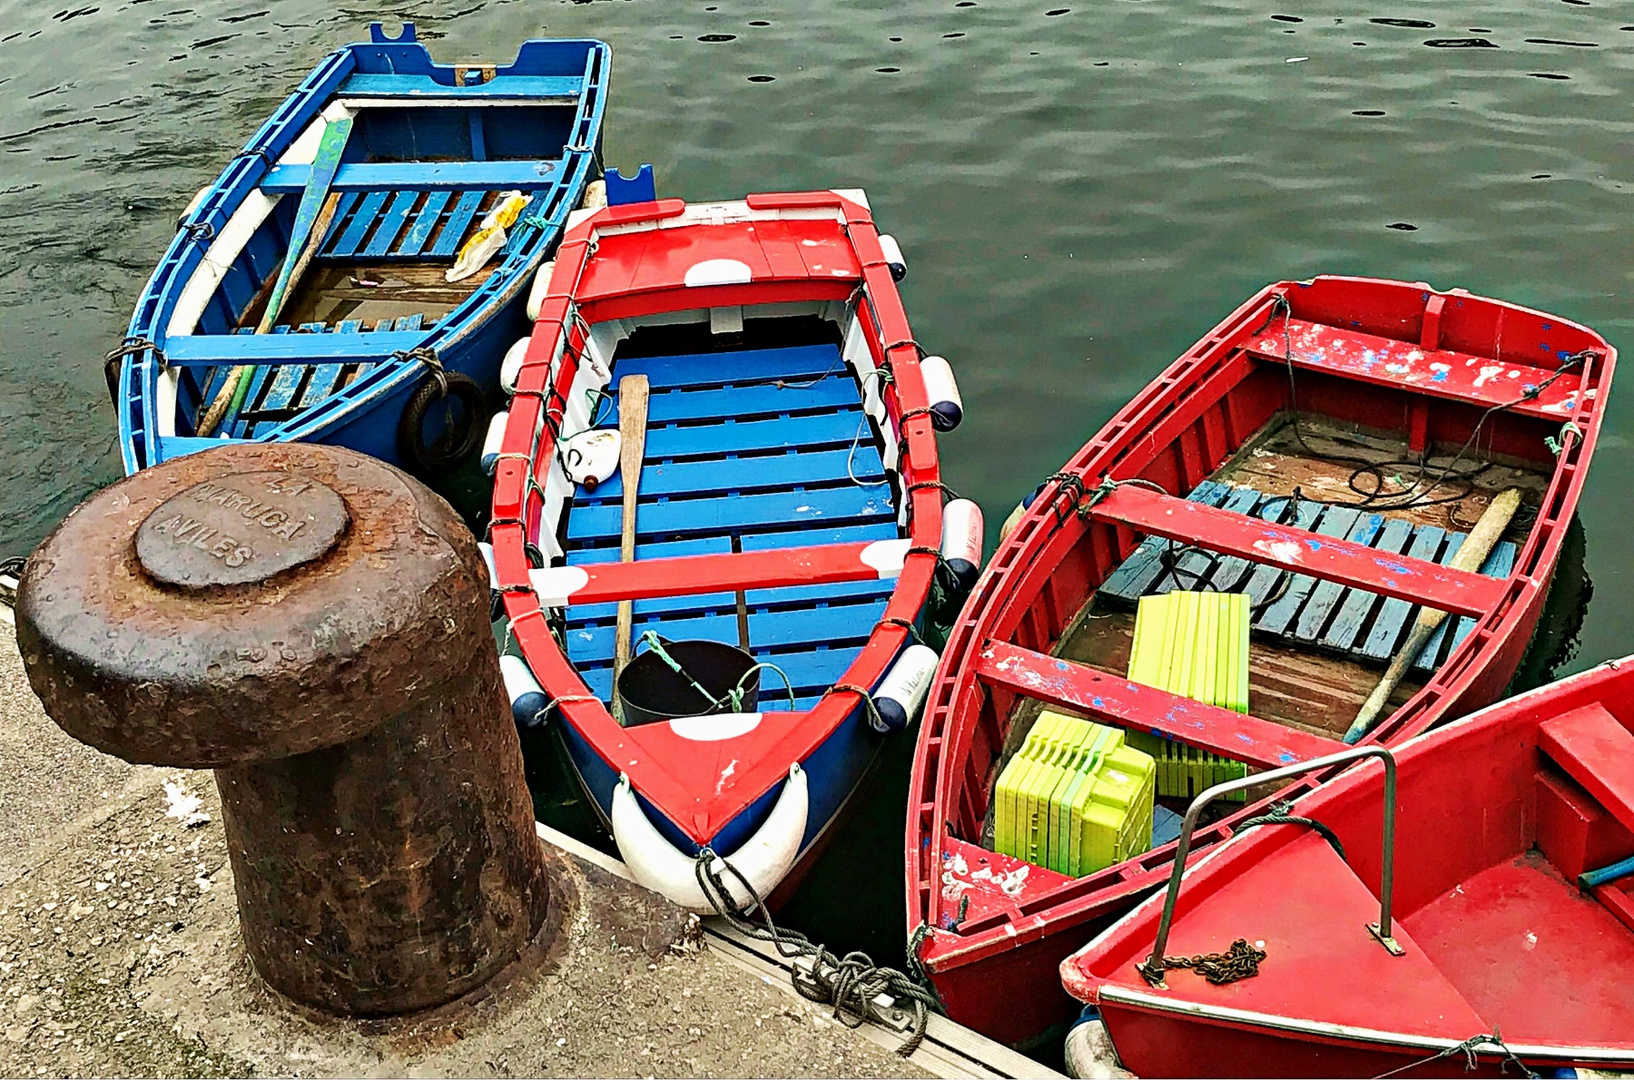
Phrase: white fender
(528, 699)
(193, 204)
(487, 551)
(541, 285)
(893, 256)
(493, 441)
(946, 408)
(595, 197)
(763, 859)
(902, 692)
(962, 530)
(1012, 521)
(510, 368)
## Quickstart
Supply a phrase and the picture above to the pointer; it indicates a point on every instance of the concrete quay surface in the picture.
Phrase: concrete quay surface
(120, 954)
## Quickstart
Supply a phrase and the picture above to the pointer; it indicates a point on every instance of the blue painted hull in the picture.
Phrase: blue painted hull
(382, 80)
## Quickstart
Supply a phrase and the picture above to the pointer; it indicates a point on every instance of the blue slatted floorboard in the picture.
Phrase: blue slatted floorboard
(1301, 610)
(388, 225)
(752, 445)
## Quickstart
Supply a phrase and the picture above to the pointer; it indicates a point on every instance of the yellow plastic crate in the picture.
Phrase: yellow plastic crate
(1075, 798)
(1194, 644)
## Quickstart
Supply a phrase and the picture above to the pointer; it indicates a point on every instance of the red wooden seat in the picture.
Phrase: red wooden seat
(1478, 380)
(1597, 751)
(690, 575)
(1142, 708)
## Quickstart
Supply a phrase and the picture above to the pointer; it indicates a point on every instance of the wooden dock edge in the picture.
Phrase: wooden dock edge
(949, 1050)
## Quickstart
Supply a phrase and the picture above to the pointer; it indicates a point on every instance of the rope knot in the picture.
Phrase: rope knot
(198, 231)
(428, 357)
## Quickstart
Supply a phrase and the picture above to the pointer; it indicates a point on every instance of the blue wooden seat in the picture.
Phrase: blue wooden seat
(1303, 610)
(280, 392)
(746, 450)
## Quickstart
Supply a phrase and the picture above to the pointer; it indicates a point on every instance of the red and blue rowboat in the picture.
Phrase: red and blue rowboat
(1326, 449)
(788, 494)
(1510, 907)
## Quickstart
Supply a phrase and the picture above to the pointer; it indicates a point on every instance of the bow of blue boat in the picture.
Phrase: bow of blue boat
(332, 233)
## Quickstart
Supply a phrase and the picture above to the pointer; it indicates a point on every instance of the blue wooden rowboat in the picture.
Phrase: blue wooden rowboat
(372, 335)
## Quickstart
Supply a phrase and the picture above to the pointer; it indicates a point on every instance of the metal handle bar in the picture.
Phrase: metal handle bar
(1380, 930)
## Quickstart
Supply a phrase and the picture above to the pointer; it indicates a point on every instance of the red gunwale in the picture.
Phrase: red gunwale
(1007, 946)
(661, 765)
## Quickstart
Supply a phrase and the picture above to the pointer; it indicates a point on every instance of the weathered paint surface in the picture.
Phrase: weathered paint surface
(379, 826)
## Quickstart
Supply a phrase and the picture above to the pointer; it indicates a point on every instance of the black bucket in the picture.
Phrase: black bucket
(651, 690)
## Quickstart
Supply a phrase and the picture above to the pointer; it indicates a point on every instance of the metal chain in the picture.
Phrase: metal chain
(1240, 961)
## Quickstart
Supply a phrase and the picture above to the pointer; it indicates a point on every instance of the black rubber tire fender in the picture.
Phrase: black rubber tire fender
(466, 438)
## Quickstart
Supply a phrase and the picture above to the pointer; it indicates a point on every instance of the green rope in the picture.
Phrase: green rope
(1567, 430)
(734, 696)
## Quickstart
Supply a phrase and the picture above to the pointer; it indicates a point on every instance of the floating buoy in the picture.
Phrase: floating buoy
(946, 410)
(528, 698)
(893, 256)
(595, 195)
(493, 441)
(902, 691)
(541, 285)
(962, 535)
(591, 456)
(510, 368)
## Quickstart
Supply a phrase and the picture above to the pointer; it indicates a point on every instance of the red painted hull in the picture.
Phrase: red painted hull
(985, 949)
(1497, 814)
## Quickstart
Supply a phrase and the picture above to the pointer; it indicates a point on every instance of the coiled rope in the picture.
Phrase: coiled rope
(852, 983)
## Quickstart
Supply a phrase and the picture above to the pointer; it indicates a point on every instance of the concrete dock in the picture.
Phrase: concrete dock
(120, 954)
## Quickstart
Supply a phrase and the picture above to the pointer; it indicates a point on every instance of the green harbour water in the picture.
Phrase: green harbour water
(1081, 191)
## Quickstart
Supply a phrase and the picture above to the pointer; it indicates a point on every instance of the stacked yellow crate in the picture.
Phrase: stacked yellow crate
(1194, 644)
(1075, 798)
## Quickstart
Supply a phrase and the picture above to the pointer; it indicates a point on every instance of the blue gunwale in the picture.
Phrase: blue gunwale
(342, 416)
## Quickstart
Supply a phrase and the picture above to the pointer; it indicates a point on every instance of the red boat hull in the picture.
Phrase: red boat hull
(984, 948)
(1496, 816)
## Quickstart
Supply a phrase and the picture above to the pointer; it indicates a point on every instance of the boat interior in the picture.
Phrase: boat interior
(757, 438)
(1503, 922)
(415, 183)
(1269, 421)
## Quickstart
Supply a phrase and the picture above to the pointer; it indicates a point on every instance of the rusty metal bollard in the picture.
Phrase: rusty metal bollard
(313, 625)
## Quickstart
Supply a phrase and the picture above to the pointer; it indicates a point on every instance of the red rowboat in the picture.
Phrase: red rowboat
(1498, 951)
(1256, 450)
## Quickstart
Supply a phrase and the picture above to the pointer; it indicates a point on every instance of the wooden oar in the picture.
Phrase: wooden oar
(743, 603)
(312, 220)
(633, 391)
(1476, 547)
